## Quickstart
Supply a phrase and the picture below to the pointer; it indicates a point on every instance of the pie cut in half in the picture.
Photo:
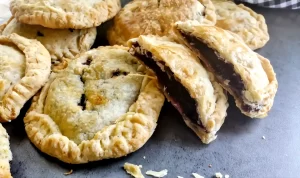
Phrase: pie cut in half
(246, 75)
(61, 43)
(24, 68)
(186, 84)
(243, 21)
(5, 154)
(156, 17)
(104, 105)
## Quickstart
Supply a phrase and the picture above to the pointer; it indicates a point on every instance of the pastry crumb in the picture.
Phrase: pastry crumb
(133, 170)
(144, 157)
(159, 174)
(197, 175)
(263, 137)
(219, 175)
(179, 177)
(69, 173)
(226, 176)
(209, 165)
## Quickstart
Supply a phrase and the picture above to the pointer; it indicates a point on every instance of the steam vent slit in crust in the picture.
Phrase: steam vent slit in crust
(104, 105)
(186, 84)
(248, 76)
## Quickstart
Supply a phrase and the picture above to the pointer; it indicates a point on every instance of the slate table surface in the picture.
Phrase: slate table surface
(239, 150)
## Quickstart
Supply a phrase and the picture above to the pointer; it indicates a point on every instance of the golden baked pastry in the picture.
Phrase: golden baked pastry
(60, 14)
(246, 75)
(24, 68)
(61, 43)
(187, 85)
(243, 21)
(5, 154)
(154, 17)
(103, 105)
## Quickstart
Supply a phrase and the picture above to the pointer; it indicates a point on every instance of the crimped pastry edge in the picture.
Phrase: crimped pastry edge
(109, 142)
(38, 64)
(269, 92)
(66, 20)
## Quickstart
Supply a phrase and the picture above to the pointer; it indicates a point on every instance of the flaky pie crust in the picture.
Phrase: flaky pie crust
(256, 71)
(38, 64)
(201, 85)
(152, 17)
(5, 154)
(61, 14)
(126, 135)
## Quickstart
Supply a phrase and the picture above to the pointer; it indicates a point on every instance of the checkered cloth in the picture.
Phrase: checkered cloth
(288, 4)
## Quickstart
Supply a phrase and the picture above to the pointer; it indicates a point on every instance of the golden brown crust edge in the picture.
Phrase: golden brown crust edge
(255, 44)
(4, 163)
(268, 92)
(104, 11)
(38, 64)
(128, 134)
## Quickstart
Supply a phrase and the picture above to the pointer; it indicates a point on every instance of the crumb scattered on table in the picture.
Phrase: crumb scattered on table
(197, 175)
(144, 157)
(179, 177)
(133, 170)
(159, 174)
(226, 176)
(209, 165)
(69, 173)
(219, 175)
(263, 137)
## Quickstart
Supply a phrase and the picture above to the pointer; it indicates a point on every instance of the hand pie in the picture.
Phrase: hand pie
(64, 43)
(103, 105)
(243, 21)
(5, 154)
(245, 74)
(145, 17)
(24, 69)
(186, 84)
(63, 14)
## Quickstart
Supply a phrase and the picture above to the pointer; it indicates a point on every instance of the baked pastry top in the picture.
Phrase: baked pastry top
(5, 154)
(61, 43)
(243, 21)
(24, 69)
(77, 14)
(103, 105)
(247, 76)
(154, 17)
(187, 85)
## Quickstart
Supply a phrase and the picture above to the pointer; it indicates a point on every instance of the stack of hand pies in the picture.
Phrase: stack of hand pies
(93, 104)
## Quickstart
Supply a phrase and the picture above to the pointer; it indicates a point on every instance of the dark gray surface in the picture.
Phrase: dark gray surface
(239, 149)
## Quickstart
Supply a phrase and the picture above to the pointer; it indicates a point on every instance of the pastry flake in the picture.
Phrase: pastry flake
(186, 84)
(103, 105)
(5, 154)
(24, 68)
(246, 75)
(152, 17)
(61, 43)
(61, 14)
(243, 21)
(133, 170)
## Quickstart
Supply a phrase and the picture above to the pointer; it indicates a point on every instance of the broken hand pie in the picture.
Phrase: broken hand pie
(24, 68)
(186, 84)
(61, 43)
(153, 17)
(103, 105)
(5, 154)
(246, 75)
(243, 21)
